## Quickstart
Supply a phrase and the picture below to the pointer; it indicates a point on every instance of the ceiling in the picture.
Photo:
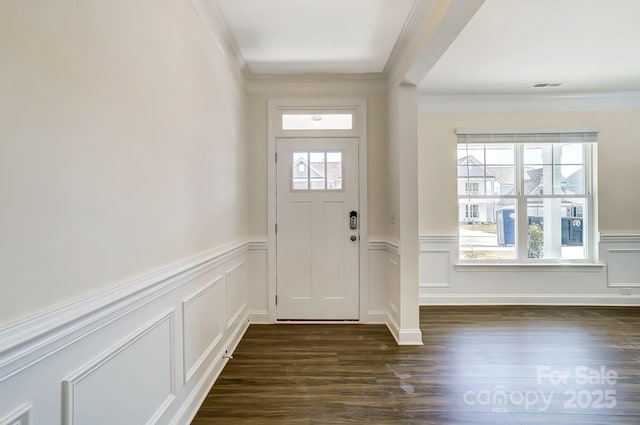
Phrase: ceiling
(589, 46)
(509, 45)
(311, 36)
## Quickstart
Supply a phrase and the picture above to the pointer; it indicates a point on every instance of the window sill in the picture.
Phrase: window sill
(520, 267)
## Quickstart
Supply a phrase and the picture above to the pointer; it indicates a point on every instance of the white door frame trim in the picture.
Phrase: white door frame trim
(359, 108)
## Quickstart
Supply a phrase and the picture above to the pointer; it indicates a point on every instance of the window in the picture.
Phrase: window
(472, 211)
(317, 121)
(526, 197)
(316, 171)
(472, 187)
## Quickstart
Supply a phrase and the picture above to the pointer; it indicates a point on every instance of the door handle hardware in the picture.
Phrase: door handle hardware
(353, 220)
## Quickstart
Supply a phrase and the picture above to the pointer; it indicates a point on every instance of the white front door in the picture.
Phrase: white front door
(317, 270)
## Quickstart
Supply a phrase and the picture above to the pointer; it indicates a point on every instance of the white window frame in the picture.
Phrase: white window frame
(469, 210)
(520, 138)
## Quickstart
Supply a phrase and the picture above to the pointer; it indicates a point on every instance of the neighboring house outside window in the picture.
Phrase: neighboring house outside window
(530, 201)
(317, 171)
(472, 187)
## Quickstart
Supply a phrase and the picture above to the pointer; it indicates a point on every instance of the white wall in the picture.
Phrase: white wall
(124, 218)
(444, 282)
(122, 146)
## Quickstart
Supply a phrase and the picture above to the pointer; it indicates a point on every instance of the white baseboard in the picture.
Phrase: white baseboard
(259, 317)
(377, 317)
(404, 336)
(410, 337)
(192, 404)
(553, 299)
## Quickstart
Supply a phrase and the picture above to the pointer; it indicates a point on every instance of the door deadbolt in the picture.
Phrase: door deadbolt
(353, 220)
(353, 238)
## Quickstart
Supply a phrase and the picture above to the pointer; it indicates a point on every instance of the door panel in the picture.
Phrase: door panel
(317, 262)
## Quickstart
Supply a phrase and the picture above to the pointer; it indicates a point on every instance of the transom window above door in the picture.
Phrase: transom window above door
(333, 121)
(313, 170)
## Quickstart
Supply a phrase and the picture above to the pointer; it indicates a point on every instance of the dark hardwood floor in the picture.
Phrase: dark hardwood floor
(479, 365)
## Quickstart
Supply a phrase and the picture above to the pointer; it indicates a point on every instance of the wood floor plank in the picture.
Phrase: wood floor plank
(514, 365)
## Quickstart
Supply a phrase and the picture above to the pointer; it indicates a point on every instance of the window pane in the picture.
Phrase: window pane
(569, 169)
(568, 179)
(334, 170)
(317, 184)
(499, 154)
(473, 177)
(500, 180)
(487, 229)
(300, 175)
(317, 170)
(473, 151)
(534, 180)
(571, 154)
(317, 121)
(538, 154)
(556, 228)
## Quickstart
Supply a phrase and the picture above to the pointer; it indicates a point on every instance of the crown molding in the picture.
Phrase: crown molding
(328, 83)
(315, 84)
(432, 27)
(405, 37)
(213, 19)
(530, 102)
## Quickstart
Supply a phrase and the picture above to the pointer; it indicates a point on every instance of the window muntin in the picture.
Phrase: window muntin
(548, 181)
(317, 170)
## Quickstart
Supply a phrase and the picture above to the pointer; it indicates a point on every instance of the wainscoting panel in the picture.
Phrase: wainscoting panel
(377, 281)
(237, 295)
(203, 324)
(437, 256)
(623, 267)
(131, 383)
(144, 352)
(621, 253)
(613, 280)
(393, 279)
(434, 268)
(258, 282)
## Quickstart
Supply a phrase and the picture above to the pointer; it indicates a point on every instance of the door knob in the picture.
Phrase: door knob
(353, 238)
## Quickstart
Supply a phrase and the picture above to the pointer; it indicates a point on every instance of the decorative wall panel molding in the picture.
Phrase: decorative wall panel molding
(436, 260)
(621, 253)
(237, 293)
(614, 280)
(20, 416)
(434, 268)
(156, 374)
(203, 324)
(623, 267)
(131, 383)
